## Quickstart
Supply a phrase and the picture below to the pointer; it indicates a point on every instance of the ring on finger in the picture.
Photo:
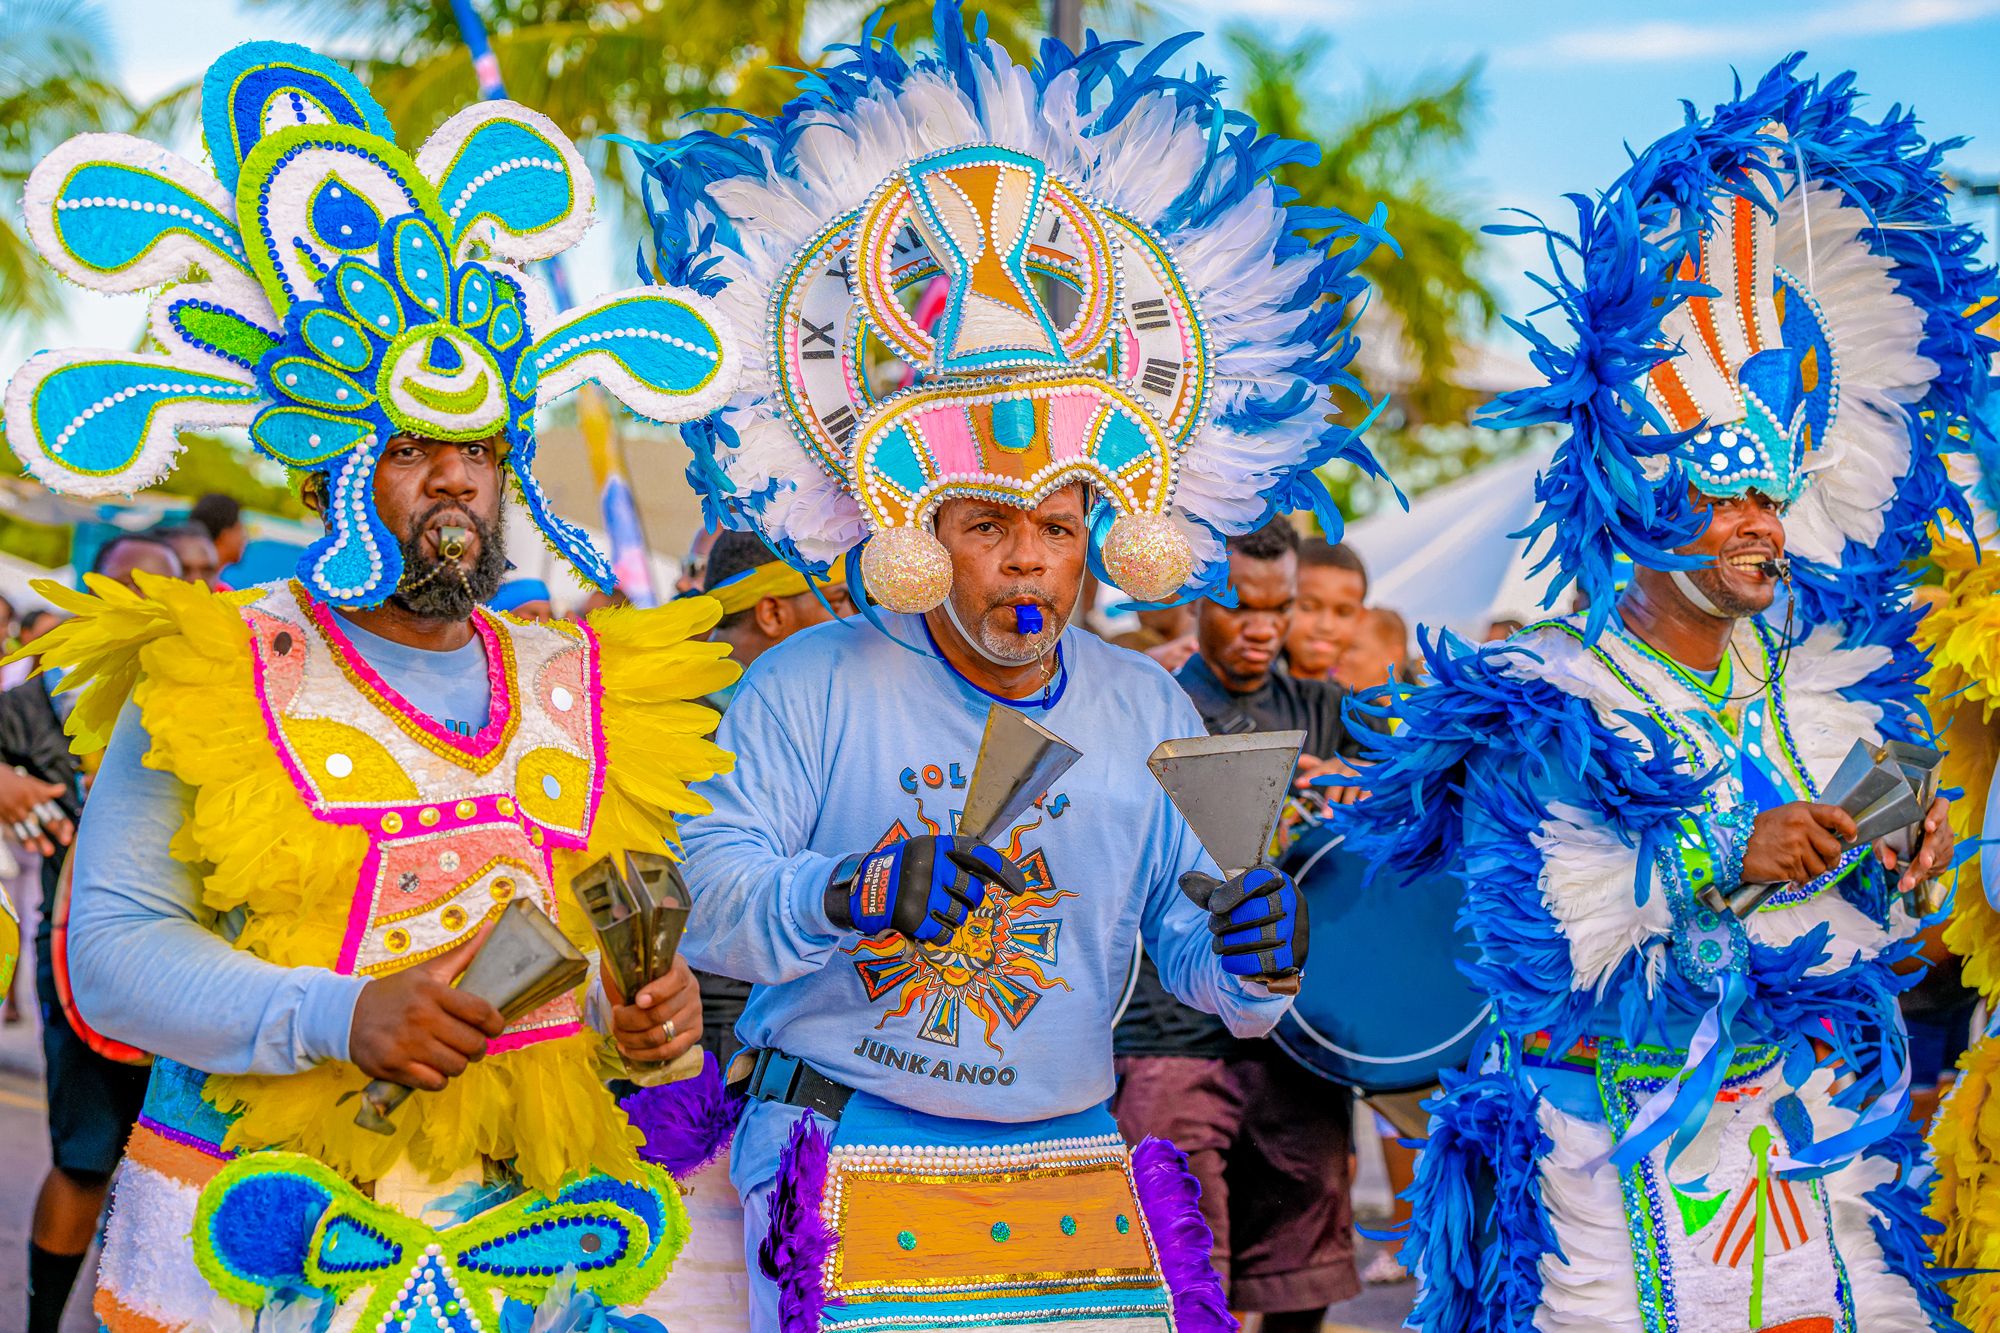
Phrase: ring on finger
(670, 1032)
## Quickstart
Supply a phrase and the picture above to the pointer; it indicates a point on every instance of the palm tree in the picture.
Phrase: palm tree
(1388, 147)
(633, 67)
(55, 81)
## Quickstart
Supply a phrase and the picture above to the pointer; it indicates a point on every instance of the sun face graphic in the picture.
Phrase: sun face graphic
(992, 966)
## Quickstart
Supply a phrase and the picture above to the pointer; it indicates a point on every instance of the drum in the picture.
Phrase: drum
(1382, 1006)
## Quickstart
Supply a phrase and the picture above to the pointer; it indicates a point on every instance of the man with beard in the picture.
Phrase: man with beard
(154, 966)
(324, 797)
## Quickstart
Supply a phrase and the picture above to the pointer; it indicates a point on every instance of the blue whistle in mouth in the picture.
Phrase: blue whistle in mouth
(1028, 619)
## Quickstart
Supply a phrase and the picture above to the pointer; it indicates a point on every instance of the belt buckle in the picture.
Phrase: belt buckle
(771, 1081)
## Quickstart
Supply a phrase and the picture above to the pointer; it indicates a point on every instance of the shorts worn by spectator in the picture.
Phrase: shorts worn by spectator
(1268, 1141)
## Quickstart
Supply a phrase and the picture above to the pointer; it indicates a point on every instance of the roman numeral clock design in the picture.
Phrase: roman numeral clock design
(917, 357)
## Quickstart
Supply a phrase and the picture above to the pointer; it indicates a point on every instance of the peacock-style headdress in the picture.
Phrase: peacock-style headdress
(1771, 297)
(887, 248)
(329, 291)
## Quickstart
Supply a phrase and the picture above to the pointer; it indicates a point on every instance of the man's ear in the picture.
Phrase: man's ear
(772, 617)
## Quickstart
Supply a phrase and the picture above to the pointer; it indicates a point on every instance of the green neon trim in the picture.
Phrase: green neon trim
(1697, 1213)
(1760, 1143)
(457, 404)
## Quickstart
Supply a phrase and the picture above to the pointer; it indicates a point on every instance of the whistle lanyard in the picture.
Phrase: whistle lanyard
(1052, 692)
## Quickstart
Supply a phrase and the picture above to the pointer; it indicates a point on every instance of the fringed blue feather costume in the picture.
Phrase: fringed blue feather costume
(1770, 299)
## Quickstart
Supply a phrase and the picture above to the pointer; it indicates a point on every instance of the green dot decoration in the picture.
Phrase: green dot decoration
(1069, 1226)
(906, 1240)
(1001, 1231)
(1124, 1224)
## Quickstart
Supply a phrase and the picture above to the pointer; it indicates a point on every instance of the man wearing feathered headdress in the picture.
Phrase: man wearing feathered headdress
(1693, 1113)
(929, 1040)
(321, 794)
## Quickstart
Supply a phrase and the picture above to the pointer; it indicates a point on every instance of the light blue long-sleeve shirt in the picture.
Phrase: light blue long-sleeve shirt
(845, 740)
(151, 968)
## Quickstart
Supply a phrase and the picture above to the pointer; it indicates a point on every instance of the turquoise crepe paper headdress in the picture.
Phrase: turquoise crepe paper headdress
(328, 291)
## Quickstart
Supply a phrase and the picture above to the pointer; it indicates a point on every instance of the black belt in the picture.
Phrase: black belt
(774, 1076)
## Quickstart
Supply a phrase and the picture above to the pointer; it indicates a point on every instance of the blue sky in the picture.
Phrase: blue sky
(1567, 83)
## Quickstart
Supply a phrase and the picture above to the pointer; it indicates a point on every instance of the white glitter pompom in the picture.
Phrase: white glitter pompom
(906, 569)
(1147, 557)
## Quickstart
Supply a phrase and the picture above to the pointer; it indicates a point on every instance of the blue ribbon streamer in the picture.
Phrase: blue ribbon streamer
(1882, 1118)
(1680, 1108)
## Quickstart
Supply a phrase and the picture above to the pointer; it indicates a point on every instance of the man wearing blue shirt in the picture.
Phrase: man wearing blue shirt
(910, 975)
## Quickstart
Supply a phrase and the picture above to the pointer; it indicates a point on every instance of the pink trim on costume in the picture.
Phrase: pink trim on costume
(949, 435)
(593, 680)
(500, 711)
(1070, 415)
(514, 1041)
(271, 731)
(361, 907)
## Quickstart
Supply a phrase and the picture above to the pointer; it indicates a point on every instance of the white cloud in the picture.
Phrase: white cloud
(1662, 40)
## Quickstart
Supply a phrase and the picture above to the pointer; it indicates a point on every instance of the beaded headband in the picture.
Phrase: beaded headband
(1796, 265)
(344, 292)
(900, 233)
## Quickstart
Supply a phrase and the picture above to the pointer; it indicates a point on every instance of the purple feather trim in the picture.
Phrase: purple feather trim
(686, 1124)
(1171, 1199)
(793, 1254)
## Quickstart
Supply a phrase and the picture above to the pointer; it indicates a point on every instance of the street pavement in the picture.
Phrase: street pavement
(24, 1159)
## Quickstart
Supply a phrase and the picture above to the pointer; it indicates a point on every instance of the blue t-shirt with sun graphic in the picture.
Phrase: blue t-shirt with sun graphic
(845, 741)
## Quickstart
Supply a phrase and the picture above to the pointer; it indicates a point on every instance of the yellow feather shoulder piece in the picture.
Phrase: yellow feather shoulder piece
(655, 668)
(1965, 1194)
(98, 648)
(1962, 636)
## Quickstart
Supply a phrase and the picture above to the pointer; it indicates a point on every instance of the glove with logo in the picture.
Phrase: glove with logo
(1258, 921)
(921, 888)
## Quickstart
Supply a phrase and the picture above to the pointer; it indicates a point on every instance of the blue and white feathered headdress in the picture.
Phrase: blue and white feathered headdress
(884, 248)
(1773, 298)
(329, 291)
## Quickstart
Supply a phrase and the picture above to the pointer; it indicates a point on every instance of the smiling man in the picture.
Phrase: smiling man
(1694, 1108)
(321, 794)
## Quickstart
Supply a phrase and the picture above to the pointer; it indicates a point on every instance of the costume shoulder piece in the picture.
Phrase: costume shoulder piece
(1773, 298)
(348, 290)
(1962, 636)
(885, 251)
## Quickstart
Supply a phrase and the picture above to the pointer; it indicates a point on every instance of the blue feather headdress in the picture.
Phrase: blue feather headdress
(885, 246)
(1771, 297)
(329, 290)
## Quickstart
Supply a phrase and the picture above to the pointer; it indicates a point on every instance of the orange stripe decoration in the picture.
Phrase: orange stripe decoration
(1792, 1201)
(1743, 1201)
(1743, 221)
(1701, 309)
(176, 1161)
(1680, 404)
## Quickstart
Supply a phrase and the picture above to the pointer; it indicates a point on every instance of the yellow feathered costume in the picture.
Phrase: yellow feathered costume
(1962, 635)
(185, 656)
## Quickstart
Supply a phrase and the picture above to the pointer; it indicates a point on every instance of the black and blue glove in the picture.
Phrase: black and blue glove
(921, 888)
(1258, 921)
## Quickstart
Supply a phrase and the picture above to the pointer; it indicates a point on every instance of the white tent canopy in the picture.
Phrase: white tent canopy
(1452, 559)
